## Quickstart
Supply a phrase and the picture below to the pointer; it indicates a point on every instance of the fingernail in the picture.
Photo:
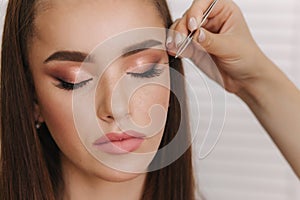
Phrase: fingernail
(178, 39)
(169, 41)
(202, 36)
(193, 24)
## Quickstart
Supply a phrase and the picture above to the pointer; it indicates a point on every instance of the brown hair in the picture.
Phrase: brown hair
(30, 166)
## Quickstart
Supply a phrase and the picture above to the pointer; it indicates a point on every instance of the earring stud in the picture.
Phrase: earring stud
(38, 125)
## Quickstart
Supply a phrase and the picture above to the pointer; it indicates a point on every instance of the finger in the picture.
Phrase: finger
(190, 20)
(176, 36)
(195, 14)
(173, 26)
(170, 42)
(216, 22)
(181, 32)
(213, 25)
(214, 44)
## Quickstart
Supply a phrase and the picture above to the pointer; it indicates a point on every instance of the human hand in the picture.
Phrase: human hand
(226, 37)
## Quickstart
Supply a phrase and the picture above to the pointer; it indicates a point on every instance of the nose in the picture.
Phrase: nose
(111, 104)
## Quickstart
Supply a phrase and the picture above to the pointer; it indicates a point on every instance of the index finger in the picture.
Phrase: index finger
(195, 12)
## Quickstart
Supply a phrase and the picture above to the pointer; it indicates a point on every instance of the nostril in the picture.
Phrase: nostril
(106, 118)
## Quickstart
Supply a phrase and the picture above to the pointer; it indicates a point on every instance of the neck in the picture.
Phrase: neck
(80, 185)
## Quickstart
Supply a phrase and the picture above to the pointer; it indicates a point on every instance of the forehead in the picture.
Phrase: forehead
(83, 24)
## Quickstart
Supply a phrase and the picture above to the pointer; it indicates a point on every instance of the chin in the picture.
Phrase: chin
(112, 175)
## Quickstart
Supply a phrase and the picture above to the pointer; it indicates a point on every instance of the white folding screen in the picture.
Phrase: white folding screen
(246, 164)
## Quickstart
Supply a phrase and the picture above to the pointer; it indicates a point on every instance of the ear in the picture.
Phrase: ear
(37, 113)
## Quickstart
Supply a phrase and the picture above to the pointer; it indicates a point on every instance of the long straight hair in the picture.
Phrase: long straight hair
(30, 166)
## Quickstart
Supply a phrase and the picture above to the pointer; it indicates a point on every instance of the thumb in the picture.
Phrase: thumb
(214, 44)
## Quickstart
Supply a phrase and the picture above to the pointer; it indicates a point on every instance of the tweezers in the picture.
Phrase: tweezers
(189, 38)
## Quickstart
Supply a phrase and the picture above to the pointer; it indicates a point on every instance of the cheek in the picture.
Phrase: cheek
(56, 109)
(143, 101)
(140, 106)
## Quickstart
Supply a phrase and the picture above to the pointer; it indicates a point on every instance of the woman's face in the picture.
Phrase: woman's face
(65, 34)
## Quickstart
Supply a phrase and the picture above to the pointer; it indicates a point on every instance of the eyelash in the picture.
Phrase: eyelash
(153, 72)
(72, 86)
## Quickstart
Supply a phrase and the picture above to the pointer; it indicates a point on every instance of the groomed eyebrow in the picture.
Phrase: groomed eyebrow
(77, 56)
(136, 48)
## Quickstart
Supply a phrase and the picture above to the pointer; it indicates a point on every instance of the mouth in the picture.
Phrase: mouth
(119, 143)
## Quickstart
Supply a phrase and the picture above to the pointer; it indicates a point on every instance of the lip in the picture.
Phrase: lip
(119, 143)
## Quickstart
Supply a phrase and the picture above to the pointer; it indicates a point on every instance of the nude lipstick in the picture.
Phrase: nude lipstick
(119, 143)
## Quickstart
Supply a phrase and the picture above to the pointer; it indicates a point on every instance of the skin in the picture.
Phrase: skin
(64, 26)
(246, 72)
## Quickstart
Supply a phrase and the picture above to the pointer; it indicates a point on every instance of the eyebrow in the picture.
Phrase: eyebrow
(136, 48)
(77, 56)
(69, 56)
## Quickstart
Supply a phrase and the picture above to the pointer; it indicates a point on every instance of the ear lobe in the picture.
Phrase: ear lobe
(37, 113)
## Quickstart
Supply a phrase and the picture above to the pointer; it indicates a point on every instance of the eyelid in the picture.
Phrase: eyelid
(144, 60)
(69, 77)
(72, 86)
(71, 74)
(141, 68)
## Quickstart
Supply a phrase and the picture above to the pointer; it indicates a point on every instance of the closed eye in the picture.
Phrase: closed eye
(72, 86)
(152, 72)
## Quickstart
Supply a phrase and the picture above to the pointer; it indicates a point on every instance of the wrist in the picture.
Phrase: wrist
(259, 89)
